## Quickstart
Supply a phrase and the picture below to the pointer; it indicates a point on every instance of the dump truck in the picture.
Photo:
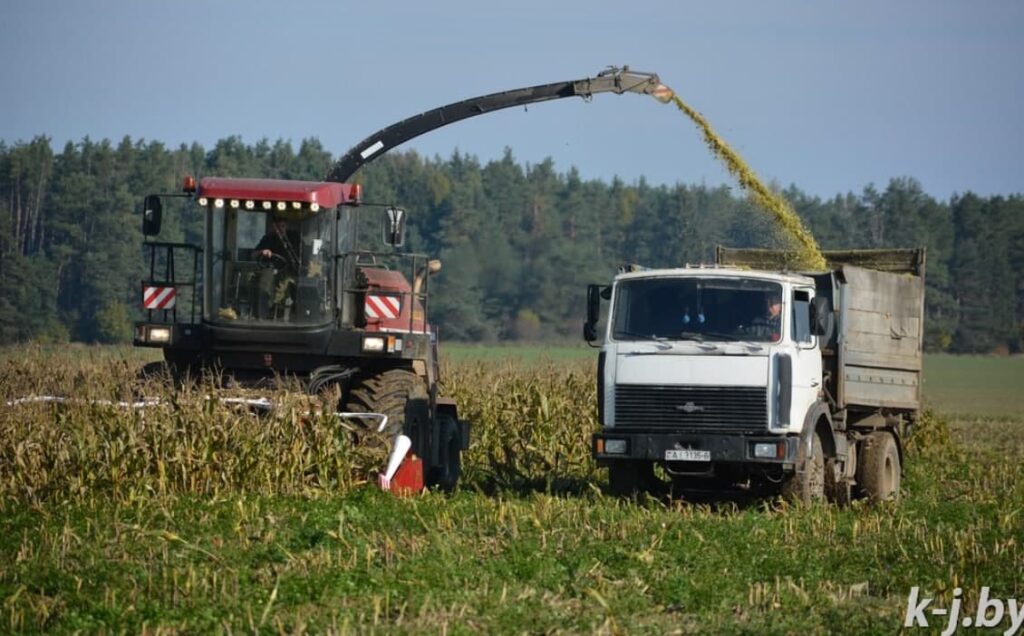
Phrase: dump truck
(742, 376)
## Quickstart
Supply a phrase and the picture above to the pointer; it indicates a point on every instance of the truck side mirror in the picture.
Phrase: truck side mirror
(593, 312)
(822, 319)
(152, 214)
(394, 227)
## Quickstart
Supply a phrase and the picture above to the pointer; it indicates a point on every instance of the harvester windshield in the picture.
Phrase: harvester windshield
(272, 267)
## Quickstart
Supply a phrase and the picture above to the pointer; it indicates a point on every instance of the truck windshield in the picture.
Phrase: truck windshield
(269, 270)
(703, 309)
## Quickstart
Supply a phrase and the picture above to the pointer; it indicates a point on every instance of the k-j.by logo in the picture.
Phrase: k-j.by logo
(991, 613)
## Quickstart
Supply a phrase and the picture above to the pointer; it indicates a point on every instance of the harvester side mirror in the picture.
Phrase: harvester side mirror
(394, 227)
(822, 318)
(594, 293)
(152, 214)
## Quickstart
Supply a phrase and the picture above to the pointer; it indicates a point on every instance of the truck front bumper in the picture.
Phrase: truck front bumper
(741, 448)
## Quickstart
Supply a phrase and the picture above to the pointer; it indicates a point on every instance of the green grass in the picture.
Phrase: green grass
(205, 521)
(516, 562)
(975, 385)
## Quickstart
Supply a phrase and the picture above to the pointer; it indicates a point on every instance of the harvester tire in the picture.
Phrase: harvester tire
(807, 484)
(392, 393)
(878, 468)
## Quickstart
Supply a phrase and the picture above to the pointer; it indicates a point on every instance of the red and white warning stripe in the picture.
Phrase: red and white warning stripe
(158, 297)
(382, 306)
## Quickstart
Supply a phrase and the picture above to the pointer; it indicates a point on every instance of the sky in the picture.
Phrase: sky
(828, 96)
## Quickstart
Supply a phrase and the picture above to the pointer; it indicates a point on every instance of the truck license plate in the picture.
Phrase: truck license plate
(687, 455)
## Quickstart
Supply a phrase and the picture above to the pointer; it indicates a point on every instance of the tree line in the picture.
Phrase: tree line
(519, 242)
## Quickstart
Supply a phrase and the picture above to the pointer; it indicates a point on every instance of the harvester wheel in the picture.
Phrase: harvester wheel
(807, 484)
(878, 471)
(394, 393)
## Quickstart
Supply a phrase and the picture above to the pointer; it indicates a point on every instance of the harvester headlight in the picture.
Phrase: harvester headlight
(250, 205)
(281, 205)
(159, 334)
(267, 205)
(296, 205)
(234, 203)
(203, 201)
(314, 207)
(218, 203)
(373, 343)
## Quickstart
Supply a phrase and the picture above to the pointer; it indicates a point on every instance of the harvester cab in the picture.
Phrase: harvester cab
(280, 287)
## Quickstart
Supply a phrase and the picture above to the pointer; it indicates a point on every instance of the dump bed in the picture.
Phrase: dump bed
(874, 356)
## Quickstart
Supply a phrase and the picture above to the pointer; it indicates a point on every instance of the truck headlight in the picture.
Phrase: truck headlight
(770, 450)
(373, 343)
(159, 334)
(615, 446)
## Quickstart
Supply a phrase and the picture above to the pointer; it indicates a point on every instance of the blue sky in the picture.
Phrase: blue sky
(829, 96)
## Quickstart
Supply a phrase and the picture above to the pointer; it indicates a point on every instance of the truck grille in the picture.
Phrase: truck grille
(741, 408)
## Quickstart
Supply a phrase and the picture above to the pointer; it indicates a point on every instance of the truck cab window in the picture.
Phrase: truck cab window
(706, 309)
(801, 316)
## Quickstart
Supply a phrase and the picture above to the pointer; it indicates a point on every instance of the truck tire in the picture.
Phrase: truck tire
(630, 478)
(390, 393)
(878, 468)
(837, 487)
(807, 484)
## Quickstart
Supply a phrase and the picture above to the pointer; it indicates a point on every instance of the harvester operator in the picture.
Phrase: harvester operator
(280, 248)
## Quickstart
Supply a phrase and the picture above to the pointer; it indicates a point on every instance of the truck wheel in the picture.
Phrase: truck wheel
(807, 484)
(837, 488)
(878, 470)
(630, 478)
(390, 393)
(446, 475)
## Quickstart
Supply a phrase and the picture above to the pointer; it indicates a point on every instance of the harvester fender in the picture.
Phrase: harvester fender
(612, 80)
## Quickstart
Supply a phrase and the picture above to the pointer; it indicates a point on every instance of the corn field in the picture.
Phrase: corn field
(530, 430)
(192, 515)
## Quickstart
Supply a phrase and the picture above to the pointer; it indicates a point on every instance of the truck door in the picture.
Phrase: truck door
(806, 356)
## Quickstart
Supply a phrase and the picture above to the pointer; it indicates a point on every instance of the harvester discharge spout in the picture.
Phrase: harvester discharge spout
(611, 80)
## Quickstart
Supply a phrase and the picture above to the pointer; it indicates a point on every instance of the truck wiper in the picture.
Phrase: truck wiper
(643, 336)
(717, 335)
(692, 335)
